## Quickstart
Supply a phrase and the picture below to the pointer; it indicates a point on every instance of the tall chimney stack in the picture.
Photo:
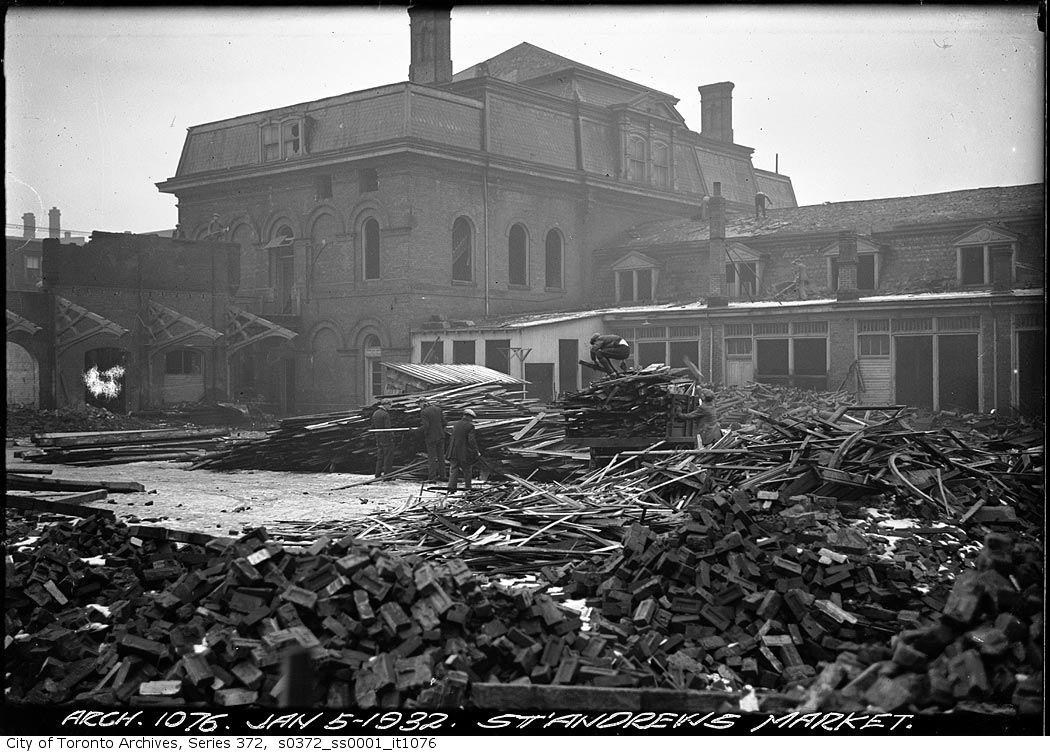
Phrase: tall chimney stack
(28, 225)
(847, 265)
(430, 29)
(716, 111)
(716, 249)
(54, 223)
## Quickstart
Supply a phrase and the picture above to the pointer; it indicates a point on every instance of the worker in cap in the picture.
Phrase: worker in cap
(463, 451)
(384, 440)
(432, 427)
(606, 348)
(708, 430)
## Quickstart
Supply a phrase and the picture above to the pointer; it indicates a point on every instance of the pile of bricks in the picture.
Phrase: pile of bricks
(95, 614)
(768, 599)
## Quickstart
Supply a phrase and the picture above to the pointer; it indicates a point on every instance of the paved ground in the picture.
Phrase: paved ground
(223, 503)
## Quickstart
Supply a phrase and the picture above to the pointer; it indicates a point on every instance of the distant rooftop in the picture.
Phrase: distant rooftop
(874, 215)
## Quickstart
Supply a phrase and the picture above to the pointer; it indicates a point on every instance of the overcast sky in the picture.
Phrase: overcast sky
(859, 103)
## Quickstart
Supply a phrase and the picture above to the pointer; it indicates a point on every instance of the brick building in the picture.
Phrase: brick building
(933, 301)
(364, 215)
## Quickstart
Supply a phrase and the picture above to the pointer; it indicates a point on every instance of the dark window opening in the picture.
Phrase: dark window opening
(866, 272)
(771, 357)
(517, 256)
(462, 251)
(651, 352)
(370, 241)
(292, 142)
(432, 352)
(497, 355)
(463, 351)
(182, 362)
(742, 278)
(554, 260)
(811, 357)
(644, 284)
(324, 187)
(32, 269)
(625, 286)
(368, 180)
(682, 350)
(972, 272)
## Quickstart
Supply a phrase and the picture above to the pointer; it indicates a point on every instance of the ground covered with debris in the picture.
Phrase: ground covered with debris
(821, 556)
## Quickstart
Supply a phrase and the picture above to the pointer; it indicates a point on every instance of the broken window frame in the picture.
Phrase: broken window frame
(865, 258)
(282, 138)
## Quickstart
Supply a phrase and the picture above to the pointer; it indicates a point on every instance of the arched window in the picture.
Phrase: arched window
(518, 256)
(554, 260)
(636, 159)
(373, 368)
(370, 248)
(462, 250)
(282, 269)
(661, 166)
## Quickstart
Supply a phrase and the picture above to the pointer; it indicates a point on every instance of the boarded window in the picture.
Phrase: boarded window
(182, 362)
(873, 345)
(554, 260)
(497, 355)
(432, 351)
(368, 180)
(462, 251)
(635, 160)
(370, 243)
(463, 351)
(517, 256)
(661, 166)
(971, 260)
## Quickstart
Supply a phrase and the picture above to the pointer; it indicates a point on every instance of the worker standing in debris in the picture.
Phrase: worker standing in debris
(384, 441)
(760, 203)
(606, 348)
(708, 430)
(463, 451)
(432, 426)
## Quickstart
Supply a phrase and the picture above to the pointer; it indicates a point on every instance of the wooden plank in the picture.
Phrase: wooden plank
(32, 483)
(31, 504)
(108, 438)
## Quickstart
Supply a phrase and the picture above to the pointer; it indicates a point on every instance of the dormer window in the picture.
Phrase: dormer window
(635, 278)
(986, 256)
(282, 139)
(869, 263)
(661, 165)
(744, 270)
(636, 159)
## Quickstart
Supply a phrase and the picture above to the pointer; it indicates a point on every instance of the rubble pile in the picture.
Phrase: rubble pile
(628, 405)
(24, 421)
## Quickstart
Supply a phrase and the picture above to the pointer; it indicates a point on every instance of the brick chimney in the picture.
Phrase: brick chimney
(430, 29)
(716, 249)
(847, 265)
(28, 225)
(716, 111)
(54, 223)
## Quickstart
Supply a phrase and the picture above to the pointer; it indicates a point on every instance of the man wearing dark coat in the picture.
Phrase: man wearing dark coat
(384, 441)
(463, 452)
(432, 425)
(606, 348)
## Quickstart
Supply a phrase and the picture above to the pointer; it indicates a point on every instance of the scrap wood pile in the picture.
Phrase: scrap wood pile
(96, 614)
(94, 448)
(508, 431)
(735, 403)
(636, 403)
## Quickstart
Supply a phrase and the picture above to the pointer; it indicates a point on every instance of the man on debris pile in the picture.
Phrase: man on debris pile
(708, 430)
(384, 441)
(432, 426)
(606, 348)
(463, 451)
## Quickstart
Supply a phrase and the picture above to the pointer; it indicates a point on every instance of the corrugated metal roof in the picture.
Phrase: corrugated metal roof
(440, 373)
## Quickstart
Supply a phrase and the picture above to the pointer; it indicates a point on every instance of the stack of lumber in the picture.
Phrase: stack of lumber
(30, 490)
(119, 447)
(508, 431)
(97, 615)
(632, 404)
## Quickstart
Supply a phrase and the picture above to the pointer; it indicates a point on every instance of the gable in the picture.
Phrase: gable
(864, 245)
(740, 253)
(985, 234)
(634, 260)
